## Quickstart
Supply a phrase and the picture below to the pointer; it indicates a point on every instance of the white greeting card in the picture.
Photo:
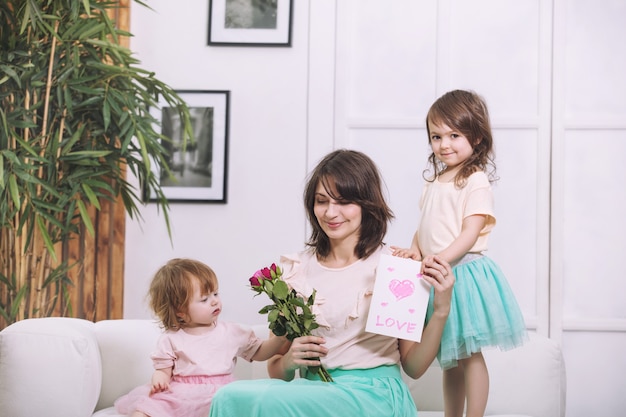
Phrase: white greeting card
(400, 299)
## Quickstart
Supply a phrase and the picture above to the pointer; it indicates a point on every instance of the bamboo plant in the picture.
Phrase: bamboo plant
(74, 122)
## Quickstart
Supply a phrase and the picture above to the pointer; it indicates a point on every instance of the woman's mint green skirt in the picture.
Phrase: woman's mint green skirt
(483, 312)
(364, 392)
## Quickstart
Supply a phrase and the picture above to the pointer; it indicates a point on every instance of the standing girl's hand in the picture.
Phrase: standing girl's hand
(438, 273)
(410, 253)
(417, 357)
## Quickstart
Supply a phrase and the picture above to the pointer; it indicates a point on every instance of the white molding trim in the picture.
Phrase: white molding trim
(415, 123)
(596, 124)
(594, 325)
(557, 208)
(321, 81)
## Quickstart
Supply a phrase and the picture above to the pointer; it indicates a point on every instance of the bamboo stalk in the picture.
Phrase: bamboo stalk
(22, 270)
(36, 291)
(46, 106)
(26, 100)
(60, 139)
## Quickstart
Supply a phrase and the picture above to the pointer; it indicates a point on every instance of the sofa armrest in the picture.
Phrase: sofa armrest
(125, 347)
(526, 381)
(529, 380)
(49, 367)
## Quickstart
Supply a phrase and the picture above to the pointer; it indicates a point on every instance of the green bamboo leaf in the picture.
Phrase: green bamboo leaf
(91, 196)
(142, 147)
(14, 190)
(26, 19)
(88, 90)
(90, 154)
(29, 149)
(106, 115)
(67, 147)
(87, 7)
(17, 301)
(92, 31)
(104, 44)
(84, 214)
(53, 208)
(96, 183)
(95, 99)
(7, 282)
(5, 315)
(46, 237)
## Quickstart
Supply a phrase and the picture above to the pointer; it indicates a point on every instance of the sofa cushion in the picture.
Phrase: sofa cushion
(31, 346)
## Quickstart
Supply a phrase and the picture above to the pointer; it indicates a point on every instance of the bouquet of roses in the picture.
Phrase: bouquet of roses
(290, 315)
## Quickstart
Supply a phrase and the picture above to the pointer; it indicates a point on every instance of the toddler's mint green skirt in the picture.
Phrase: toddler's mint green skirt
(363, 392)
(484, 312)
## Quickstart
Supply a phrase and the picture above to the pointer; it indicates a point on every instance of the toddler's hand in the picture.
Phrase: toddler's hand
(160, 382)
(159, 387)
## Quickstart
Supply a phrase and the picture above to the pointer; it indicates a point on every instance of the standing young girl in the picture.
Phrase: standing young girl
(196, 354)
(456, 219)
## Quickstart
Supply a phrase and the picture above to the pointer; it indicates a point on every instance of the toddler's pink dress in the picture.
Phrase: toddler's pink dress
(202, 364)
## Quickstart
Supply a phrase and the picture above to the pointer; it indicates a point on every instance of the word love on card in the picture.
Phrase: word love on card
(400, 299)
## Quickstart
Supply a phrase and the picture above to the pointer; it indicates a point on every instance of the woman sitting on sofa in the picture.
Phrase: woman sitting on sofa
(349, 216)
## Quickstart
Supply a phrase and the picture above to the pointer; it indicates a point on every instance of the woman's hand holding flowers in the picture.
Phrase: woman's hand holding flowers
(305, 351)
(290, 315)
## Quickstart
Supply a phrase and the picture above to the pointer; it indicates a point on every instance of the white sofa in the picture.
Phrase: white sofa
(63, 367)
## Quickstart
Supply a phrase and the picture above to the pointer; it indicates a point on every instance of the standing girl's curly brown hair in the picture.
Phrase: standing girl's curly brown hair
(466, 112)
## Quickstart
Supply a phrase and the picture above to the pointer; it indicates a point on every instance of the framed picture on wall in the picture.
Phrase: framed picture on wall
(250, 22)
(198, 170)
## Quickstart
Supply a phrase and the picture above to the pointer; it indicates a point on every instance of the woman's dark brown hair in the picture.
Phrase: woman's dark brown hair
(352, 177)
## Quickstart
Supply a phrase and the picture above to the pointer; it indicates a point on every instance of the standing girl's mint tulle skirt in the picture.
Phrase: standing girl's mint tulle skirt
(483, 312)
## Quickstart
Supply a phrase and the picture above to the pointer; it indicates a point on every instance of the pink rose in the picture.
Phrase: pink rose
(256, 279)
(267, 274)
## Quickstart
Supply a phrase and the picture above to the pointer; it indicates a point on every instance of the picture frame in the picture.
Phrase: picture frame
(198, 171)
(250, 22)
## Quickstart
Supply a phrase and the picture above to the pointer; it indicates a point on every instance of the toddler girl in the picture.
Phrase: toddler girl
(196, 354)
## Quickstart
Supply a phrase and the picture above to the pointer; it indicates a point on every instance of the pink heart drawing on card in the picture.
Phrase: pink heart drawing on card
(384, 304)
(411, 310)
(390, 268)
(401, 289)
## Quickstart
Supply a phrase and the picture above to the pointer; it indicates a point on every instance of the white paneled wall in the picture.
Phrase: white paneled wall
(362, 74)
(589, 201)
(393, 62)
